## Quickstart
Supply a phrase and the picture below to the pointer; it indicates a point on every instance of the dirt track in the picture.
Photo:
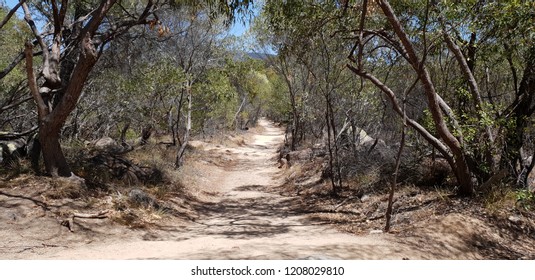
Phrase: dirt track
(244, 222)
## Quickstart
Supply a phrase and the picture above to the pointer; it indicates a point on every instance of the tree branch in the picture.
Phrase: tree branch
(28, 18)
(472, 83)
(88, 58)
(13, 105)
(397, 108)
(16, 135)
(15, 62)
(361, 27)
(10, 13)
(42, 110)
(462, 171)
(433, 100)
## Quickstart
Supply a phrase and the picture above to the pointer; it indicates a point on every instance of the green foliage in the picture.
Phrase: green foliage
(525, 199)
(233, 10)
(427, 122)
(276, 104)
(215, 98)
(140, 97)
(12, 38)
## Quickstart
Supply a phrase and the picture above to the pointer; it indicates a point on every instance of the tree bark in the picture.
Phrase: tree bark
(53, 157)
(388, 213)
(52, 118)
(296, 123)
(182, 149)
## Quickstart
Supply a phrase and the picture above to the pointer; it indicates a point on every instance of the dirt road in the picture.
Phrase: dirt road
(244, 222)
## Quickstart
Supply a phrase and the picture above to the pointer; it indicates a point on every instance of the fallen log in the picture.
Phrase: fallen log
(69, 223)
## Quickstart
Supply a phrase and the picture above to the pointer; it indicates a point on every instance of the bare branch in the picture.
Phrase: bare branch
(398, 109)
(10, 13)
(361, 27)
(13, 105)
(32, 83)
(16, 135)
(28, 18)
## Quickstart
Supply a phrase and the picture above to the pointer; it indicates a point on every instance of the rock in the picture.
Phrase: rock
(364, 198)
(283, 163)
(376, 231)
(531, 181)
(515, 219)
(73, 182)
(364, 139)
(309, 182)
(139, 197)
(305, 154)
(12, 150)
(105, 143)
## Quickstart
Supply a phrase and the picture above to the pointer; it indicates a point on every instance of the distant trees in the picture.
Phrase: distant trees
(180, 83)
(322, 93)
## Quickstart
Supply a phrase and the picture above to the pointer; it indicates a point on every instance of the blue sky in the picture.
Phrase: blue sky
(12, 3)
(237, 29)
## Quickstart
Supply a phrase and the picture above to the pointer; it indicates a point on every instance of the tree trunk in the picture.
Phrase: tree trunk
(388, 213)
(185, 140)
(521, 111)
(296, 129)
(235, 119)
(34, 152)
(53, 158)
(123, 133)
(330, 139)
(146, 132)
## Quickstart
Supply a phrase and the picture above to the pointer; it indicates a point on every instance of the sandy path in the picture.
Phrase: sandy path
(244, 222)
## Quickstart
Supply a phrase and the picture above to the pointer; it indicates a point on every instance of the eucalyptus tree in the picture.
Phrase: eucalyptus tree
(74, 36)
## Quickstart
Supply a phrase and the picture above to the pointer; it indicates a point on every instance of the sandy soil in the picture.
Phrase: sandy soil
(243, 221)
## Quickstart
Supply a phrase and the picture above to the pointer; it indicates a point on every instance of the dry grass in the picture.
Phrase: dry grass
(60, 189)
(360, 208)
(499, 197)
(14, 169)
(175, 192)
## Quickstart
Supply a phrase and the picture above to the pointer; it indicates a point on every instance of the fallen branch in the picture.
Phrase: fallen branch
(341, 203)
(69, 223)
